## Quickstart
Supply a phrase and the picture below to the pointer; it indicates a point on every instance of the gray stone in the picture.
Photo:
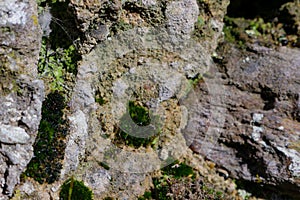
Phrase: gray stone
(13, 135)
(21, 93)
(181, 17)
(151, 63)
(12, 13)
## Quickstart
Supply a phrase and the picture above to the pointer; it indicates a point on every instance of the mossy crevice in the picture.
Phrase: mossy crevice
(57, 67)
(264, 25)
(49, 145)
(59, 54)
(181, 181)
(138, 116)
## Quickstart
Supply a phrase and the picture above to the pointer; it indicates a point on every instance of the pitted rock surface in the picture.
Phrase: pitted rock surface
(259, 141)
(21, 93)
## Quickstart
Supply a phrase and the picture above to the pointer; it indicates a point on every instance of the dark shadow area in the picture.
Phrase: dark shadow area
(269, 98)
(266, 191)
(249, 9)
(63, 25)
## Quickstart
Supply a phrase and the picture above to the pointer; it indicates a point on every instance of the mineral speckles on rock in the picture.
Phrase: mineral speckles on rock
(250, 133)
(76, 142)
(12, 12)
(181, 16)
(135, 65)
(21, 94)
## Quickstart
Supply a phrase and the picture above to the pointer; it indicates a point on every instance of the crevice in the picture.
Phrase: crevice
(49, 145)
(5, 185)
(251, 9)
(269, 98)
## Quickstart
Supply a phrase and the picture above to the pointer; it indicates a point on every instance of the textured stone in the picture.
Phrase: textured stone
(181, 17)
(158, 59)
(13, 135)
(21, 93)
(258, 140)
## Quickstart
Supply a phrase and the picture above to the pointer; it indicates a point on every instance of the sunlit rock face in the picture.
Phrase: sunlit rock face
(259, 141)
(151, 63)
(21, 93)
(239, 109)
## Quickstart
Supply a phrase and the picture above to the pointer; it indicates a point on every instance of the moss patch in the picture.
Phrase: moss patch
(49, 146)
(171, 174)
(178, 170)
(265, 33)
(133, 121)
(75, 190)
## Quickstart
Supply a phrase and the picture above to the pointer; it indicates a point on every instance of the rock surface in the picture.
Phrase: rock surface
(243, 114)
(21, 93)
(162, 59)
(99, 20)
(259, 141)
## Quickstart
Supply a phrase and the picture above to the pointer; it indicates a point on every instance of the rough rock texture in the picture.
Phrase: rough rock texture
(150, 64)
(259, 141)
(99, 20)
(290, 16)
(243, 115)
(21, 94)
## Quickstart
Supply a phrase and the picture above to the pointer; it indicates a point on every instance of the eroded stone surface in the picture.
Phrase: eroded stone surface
(21, 94)
(258, 141)
(246, 118)
(13, 135)
(147, 64)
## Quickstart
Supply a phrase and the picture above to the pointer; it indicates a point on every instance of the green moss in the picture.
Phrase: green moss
(99, 99)
(258, 27)
(178, 170)
(138, 116)
(267, 33)
(55, 64)
(75, 190)
(147, 195)
(161, 189)
(234, 33)
(171, 173)
(49, 146)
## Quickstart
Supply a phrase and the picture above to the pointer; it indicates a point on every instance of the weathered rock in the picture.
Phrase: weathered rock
(259, 141)
(99, 20)
(13, 135)
(290, 16)
(181, 17)
(160, 58)
(21, 94)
